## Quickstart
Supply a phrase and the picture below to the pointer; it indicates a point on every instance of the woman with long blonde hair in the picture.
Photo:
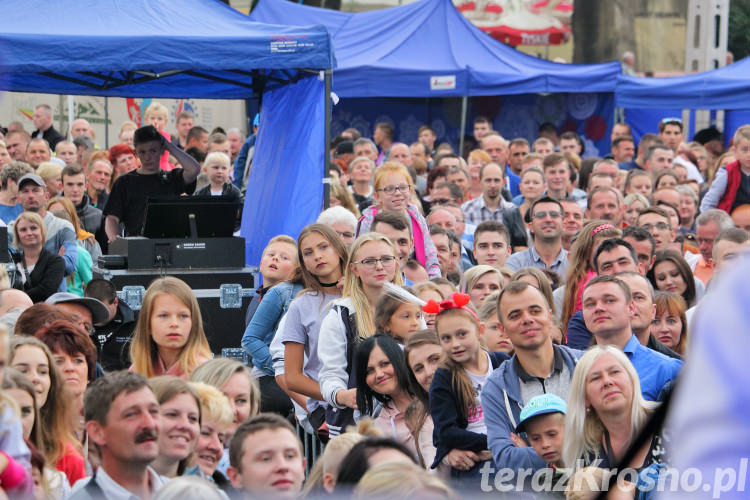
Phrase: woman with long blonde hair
(606, 412)
(372, 263)
(168, 338)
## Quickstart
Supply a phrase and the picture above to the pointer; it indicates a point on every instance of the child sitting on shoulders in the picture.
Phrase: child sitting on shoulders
(217, 166)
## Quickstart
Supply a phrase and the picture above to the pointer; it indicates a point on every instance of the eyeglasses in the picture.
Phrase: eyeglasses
(403, 188)
(661, 226)
(372, 262)
(83, 324)
(346, 234)
(553, 214)
(443, 201)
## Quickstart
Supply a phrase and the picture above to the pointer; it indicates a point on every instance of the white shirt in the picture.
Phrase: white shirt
(476, 415)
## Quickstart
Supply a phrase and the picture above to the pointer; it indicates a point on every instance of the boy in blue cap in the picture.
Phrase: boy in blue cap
(543, 420)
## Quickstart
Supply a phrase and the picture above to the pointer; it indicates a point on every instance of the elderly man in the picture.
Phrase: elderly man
(80, 127)
(401, 153)
(708, 225)
(44, 129)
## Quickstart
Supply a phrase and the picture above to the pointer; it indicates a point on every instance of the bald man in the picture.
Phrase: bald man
(13, 299)
(80, 126)
(741, 217)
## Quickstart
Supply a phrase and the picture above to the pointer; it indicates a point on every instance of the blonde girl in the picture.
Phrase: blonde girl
(393, 187)
(455, 392)
(169, 337)
(372, 263)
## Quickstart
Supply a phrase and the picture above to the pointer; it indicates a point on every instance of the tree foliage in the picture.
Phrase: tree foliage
(739, 27)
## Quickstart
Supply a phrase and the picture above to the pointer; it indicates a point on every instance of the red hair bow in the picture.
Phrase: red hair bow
(456, 301)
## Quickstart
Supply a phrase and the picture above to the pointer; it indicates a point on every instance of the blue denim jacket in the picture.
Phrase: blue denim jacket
(259, 333)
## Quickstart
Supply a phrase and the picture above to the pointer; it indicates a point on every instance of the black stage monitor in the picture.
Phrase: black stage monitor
(189, 217)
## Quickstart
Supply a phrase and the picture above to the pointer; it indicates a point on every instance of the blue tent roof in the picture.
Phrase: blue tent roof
(397, 52)
(156, 48)
(723, 88)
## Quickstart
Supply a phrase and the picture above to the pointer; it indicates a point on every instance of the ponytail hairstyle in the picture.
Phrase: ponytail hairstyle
(353, 285)
(365, 394)
(461, 384)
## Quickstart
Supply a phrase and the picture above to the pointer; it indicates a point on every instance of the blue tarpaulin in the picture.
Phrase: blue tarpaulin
(428, 49)
(189, 48)
(150, 48)
(285, 188)
(723, 88)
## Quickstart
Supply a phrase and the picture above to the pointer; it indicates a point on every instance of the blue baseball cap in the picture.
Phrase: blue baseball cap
(541, 405)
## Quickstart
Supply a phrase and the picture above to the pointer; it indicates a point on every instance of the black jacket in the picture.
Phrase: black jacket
(50, 135)
(113, 339)
(44, 279)
(450, 427)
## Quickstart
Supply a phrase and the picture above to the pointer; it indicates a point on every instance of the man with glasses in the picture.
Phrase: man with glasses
(546, 251)
(86, 312)
(656, 221)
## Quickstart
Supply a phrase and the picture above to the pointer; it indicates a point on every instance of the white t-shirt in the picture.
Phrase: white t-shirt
(476, 416)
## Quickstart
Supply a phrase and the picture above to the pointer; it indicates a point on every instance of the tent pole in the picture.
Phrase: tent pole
(327, 138)
(464, 105)
(106, 122)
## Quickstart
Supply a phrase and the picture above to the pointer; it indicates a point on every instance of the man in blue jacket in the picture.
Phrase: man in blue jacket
(537, 367)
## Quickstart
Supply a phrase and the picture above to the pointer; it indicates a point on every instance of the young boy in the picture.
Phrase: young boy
(491, 244)
(731, 186)
(277, 264)
(217, 166)
(158, 116)
(543, 418)
(266, 458)
(127, 202)
(497, 340)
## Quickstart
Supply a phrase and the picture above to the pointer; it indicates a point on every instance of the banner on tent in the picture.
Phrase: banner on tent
(590, 115)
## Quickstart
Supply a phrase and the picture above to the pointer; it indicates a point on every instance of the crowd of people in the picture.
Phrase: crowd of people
(518, 309)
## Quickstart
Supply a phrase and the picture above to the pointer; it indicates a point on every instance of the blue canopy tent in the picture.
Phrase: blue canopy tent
(723, 88)
(428, 49)
(646, 99)
(192, 48)
(396, 52)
